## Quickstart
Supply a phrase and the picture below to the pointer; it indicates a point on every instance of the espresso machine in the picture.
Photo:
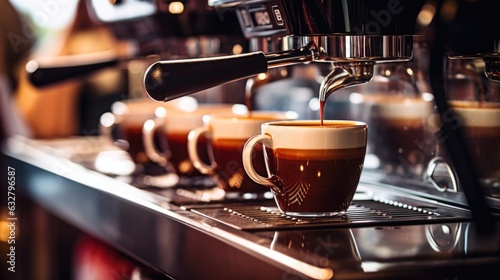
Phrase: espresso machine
(395, 228)
(352, 36)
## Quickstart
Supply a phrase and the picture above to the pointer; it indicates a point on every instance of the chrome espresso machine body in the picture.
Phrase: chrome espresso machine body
(396, 227)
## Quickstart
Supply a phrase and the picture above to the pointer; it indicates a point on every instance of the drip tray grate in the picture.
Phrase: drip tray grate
(363, 212)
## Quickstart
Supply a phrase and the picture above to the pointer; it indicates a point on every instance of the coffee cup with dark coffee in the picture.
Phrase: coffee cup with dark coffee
(480, 122)
(173, 126)
(314, 169)
(401, 140)
(122, 126)
(227, 135)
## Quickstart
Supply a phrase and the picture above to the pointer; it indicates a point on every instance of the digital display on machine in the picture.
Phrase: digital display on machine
(261, 18)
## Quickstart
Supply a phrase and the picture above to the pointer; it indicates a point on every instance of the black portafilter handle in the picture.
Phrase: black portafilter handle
(167, 80)
(48, 72)
(170, 79)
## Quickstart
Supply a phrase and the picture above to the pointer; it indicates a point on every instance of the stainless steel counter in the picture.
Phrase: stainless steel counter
(197, 232)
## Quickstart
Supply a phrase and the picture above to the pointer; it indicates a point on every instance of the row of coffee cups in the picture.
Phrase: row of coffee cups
(311, 169)
(156, 133)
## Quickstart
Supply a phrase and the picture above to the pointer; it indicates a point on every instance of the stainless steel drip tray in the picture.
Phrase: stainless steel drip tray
(368, 208)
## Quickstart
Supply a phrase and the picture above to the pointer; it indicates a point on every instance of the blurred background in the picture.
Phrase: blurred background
(116, 42)
(122, 42)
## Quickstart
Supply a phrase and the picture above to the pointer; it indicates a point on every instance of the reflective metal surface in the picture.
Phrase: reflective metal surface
(337, 48)
(366, 209)
(386, 233)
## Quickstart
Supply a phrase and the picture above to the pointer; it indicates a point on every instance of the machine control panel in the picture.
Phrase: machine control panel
(262, 19)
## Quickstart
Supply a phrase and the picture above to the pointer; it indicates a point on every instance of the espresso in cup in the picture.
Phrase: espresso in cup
(227, 135)
(401, 136)
(175, 125)
(480, 122)
(123, 126)
(314, 169)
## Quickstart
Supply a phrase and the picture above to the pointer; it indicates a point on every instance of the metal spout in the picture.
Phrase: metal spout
(346, 74)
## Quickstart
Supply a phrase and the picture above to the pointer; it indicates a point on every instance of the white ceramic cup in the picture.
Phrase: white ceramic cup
(128, 117)
(314, 170)
(175, 125)
(227, 135)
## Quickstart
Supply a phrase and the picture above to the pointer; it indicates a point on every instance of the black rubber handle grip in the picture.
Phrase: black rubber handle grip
(167, 80)
(47, 73)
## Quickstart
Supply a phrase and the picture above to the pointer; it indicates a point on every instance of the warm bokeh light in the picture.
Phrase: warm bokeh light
(237, 49)
(449, 10)
(262, 76)
(176, 7)
(4, 231)
(426, 14)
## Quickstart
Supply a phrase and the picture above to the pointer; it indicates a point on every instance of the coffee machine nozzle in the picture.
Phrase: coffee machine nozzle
(346, 74)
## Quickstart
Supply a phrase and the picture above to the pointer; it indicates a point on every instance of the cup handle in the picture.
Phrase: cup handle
(193, 137)
(148, 132)
(248, 150)
(107, 122)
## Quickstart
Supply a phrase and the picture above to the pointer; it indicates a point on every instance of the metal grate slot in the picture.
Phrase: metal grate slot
(254, 217)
